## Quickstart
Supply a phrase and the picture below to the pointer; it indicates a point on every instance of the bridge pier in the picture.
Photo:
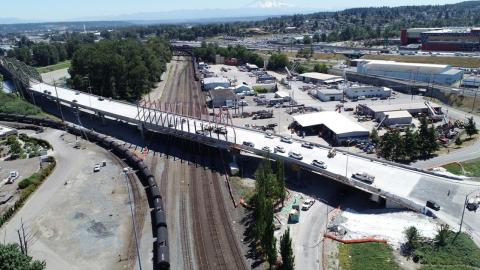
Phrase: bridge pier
(102, 118)
(141, 128)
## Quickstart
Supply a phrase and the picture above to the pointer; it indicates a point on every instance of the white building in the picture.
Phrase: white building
(242, 88)
(355, 91)
(214, 82)
(332, 126)
(395, 118)
(320, 78)
(329, 94)
(7, 131)
(429, 73)
(376, 110)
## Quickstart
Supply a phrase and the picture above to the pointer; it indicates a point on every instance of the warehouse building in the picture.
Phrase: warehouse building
(395, 118)
(429, 73)
(329, 94)
(413, 108)
(443, 39)
(332, 126)
(223, 97)
(214, 82)
(356, 91)
(320, 78)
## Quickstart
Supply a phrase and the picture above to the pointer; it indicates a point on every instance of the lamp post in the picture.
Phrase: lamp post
(465, 206)
(125, 172)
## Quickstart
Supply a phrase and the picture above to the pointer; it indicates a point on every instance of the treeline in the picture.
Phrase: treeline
(44, 54)
(408, 146)
(208, 51)
(269, 191)
(121, 69)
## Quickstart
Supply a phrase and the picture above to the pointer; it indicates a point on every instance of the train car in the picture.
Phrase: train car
(151, 182)
(158, 204)
(145, 173)
(152, 194)
(158, 220)
(161, 256)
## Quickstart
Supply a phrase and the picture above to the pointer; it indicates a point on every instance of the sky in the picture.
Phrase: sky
(54, 10)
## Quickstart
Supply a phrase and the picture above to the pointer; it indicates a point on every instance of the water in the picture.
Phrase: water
(8, 86)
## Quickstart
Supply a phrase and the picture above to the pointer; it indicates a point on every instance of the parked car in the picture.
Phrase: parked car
(307, 145)
(12, 177)
(433, 205)
(319, 164)
(266, 149)
(96, 168)
(249, 144)
(286, 139)
(307, 204)
(295, 155)
(269, 135)
(364, 177)
(473, 204)
(279, 149)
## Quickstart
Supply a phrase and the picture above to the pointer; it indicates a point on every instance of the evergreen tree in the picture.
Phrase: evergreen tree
(423, 137)
(398, 152)
(321, 68)
(288, 259)
(281, 193)
(269, 242)
(411, 144)
(374, 136)
(11, 258)
(471, 127)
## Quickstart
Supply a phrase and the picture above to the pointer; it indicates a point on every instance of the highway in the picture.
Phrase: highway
(405, 185)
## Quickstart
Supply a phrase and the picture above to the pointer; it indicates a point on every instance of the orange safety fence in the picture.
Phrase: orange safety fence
(356, 241)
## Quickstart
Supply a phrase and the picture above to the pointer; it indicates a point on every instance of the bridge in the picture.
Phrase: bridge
(395, 183)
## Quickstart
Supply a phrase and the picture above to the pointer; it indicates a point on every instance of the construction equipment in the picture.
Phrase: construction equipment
(434, 115)
(332, 153)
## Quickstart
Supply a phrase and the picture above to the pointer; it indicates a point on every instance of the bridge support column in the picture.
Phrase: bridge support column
(102, 118)
(141, 129)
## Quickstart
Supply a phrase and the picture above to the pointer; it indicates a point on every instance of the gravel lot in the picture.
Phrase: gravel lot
(77, 219)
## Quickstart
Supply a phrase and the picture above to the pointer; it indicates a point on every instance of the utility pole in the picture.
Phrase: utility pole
(58, 101)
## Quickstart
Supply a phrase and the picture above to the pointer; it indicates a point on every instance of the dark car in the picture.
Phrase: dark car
(307, 145)
(249, 144)
(435, 206)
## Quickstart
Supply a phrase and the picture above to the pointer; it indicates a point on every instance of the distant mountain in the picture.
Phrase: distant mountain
(266, 4)
(11, 20)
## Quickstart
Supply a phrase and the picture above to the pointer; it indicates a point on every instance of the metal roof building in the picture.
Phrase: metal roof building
(214, 82)
(393, 118)
(429, 73)
(333, 126)
(320, 78)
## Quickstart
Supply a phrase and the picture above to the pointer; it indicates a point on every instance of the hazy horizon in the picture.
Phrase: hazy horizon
(56, 10)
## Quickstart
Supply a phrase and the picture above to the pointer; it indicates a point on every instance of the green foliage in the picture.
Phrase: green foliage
(366, 256)
(208, 51)
(471, 127)
(16, 149)
(307, 40)
(442, 235)
(121, 69)
(472, 167)
(458, 141)
(278, 61)
(10, 103)
(11, 258)
(413, 237)
(321, 68)
(374, 136)
(57, 66)
(305, 53)
(459, 250)
(288, 259)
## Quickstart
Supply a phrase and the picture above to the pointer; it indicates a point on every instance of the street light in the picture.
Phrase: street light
(125, 172)
(465, 206)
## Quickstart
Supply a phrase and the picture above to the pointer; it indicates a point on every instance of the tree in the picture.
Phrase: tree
(412, 235)
(411, 144)
(471, 127)
(307, 40)
(288, 259)
(458, 141)
(269, 242)
(442, 234)
(427, 139)
(374, 136)
(11, 258)
(281, 194)
(321, 68)
(277, 61)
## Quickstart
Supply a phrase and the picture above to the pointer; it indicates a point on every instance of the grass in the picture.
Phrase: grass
(57, 66)
(244, 191)
(366, 256)
(454, 61)
(472, 167)
(11, 103)
(459, 253)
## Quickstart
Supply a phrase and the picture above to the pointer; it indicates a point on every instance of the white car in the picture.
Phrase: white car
(279, 149)
(295, 155)
(96, 168)
(307, 145)
(286, 140)
(319, 164)
(364, 177)
(12, 177)
(269, 135)
(307, 204)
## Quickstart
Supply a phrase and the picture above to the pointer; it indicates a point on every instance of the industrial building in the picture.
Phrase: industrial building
(332, 126)
(214, 82)
(222, 97)
(243, 88)
(355, 91)
(471, 82)
(320, 78)
(429, 73)
(414, 108)
(395, 118)
(329, 94)
(443, 39)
